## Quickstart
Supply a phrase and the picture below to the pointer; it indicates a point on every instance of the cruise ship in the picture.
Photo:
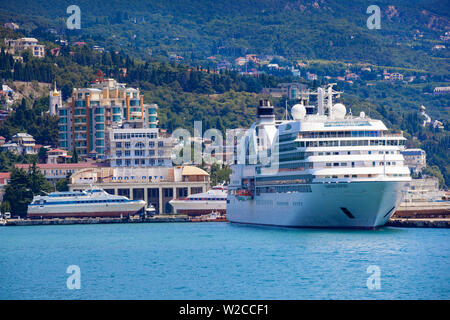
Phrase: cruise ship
(94, 202)
(214, 200)
(322, 168)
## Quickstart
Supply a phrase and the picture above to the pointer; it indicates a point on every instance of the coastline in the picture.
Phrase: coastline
(69, 221)
(393, 222)
(419, 223)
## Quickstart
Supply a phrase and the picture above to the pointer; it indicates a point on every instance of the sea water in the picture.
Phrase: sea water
(222, 261)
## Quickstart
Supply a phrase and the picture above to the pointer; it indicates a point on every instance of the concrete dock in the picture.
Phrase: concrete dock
(394, 222)
(419, 223)
(68, 221)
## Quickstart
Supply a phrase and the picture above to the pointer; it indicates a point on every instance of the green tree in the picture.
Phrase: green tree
(42, 155)
(17, 192)
(219, 174)
(5, 207)
(435, 172)
(63, 184)
(22, 187)
(37, 181)
(74, 158)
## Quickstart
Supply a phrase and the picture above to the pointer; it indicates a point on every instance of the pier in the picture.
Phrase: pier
(419, 223)
(69, 221)
(393, 222)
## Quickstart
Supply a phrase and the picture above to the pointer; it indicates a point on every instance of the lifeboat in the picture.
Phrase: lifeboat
(244, 194)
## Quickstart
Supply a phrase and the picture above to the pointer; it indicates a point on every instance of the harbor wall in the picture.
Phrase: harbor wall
(419, 223)
(69, 221)
(393, 222)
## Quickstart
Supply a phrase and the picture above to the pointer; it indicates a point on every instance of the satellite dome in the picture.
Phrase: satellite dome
(339, 111)
(298, 112)
(362, 114)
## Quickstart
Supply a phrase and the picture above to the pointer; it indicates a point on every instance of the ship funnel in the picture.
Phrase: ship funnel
(265, 111)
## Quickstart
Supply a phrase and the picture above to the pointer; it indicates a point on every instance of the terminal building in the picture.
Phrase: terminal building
(57, 171)
(155, 185)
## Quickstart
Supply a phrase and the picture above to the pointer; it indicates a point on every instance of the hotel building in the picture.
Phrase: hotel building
(139, 147)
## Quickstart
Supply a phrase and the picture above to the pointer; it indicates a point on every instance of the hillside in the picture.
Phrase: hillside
(301, 29)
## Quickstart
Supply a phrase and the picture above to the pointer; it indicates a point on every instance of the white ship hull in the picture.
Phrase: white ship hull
(194, 208)
(343, 205)
(98, 210)
(213, 200)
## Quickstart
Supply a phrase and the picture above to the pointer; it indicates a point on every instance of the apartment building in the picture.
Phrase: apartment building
(92, 112)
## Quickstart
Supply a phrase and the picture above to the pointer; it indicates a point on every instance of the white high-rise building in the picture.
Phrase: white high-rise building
(139, 147)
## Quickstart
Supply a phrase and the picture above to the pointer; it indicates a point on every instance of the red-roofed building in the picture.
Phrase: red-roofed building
(57, 156)
(36, 148)
(3, 115)
(55, 51)
(4, 178)
(55, 171)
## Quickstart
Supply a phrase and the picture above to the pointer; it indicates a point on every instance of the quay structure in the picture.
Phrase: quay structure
(423, 199)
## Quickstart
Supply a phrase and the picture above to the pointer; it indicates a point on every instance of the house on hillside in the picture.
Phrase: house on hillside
(291, 90)
(25, 142)
(395, 76)
(58, 156)
(311, 76)
(441, 90)
(240, 61)
(11, 25)
(15, 46)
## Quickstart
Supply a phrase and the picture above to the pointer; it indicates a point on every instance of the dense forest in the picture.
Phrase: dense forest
(305, 29)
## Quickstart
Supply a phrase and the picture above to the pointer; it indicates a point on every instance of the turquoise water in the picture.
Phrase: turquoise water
(222, 261)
